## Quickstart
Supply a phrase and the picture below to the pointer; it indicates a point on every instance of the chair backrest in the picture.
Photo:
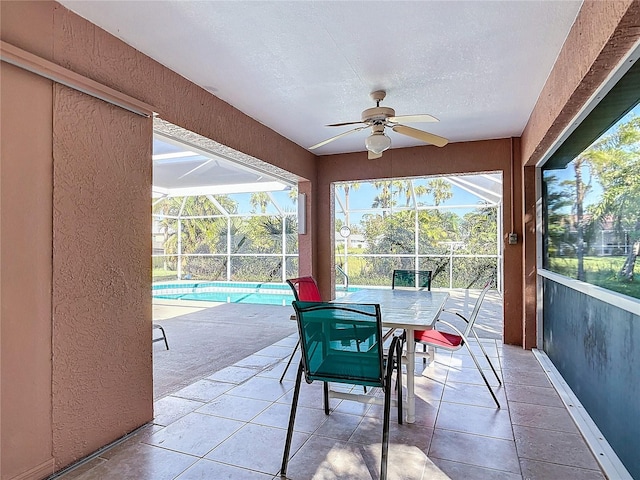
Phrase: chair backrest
(476, 309)
(305, 289)
(341, 342)
(414, 279)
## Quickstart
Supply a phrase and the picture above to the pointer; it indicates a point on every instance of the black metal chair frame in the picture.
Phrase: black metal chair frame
(163, 337)
(391, 362)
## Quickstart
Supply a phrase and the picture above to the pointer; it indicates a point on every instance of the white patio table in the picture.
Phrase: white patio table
(410, 310)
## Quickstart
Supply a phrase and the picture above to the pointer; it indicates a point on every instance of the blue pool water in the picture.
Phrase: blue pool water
(227, 292)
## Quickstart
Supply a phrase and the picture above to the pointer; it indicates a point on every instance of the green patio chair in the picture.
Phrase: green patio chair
(328, 355)
(411, 279)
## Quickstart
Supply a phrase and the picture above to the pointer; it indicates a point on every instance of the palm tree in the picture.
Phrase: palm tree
(199, 235)
(259, 200)
(615, 159)
(293, 194)
(440, 189)
(164, 208)
(580, 191)
(385, 198)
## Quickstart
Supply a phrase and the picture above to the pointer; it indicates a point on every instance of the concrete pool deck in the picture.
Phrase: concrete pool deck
(164, 309)
(205, 337)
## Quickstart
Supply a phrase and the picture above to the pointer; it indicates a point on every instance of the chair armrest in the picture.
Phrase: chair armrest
(450, 312)
(452, 327)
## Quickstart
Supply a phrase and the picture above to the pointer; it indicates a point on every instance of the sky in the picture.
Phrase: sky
(363, 198)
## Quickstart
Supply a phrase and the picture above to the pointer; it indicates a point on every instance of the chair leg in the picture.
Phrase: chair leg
(385, 421)
(292, 420)
(495, 399)
(400, 349)
(399, 380)
(289, 362)
(325, 389)
(164, 335)
(487, 357)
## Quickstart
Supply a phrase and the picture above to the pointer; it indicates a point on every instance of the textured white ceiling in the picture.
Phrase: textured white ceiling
(478, 66)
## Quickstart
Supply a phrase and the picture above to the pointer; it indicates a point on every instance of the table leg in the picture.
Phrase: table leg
(411, 370)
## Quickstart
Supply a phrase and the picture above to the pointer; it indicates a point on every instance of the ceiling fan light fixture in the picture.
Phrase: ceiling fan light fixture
(377, 142)
(379, 118)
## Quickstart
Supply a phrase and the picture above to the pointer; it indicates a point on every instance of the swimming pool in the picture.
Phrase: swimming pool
(227, 292)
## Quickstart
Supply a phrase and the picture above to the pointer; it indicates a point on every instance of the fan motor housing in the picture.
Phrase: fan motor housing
(377, 114)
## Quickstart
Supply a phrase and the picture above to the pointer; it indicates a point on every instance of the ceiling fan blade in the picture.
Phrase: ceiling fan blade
(336, 137)
(343, 124)
(373, 156)
(421, 135)
(424, 118)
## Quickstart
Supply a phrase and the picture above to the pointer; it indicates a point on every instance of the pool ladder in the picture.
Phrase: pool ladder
(345, 284)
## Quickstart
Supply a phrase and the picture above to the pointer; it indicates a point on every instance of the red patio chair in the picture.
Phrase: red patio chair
(455, 341)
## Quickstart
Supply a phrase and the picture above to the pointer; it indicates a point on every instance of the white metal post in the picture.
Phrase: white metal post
(451, 265)
(500, 260)
(284, 247)
(416, 240)
(179, 249)
(346, 259)
(228, 249)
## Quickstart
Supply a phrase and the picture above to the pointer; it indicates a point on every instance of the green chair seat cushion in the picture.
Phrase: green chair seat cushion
(361, 370)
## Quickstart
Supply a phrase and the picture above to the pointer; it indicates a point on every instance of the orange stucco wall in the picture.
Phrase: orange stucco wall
(102, 370)
(25, 274)
(307, 243)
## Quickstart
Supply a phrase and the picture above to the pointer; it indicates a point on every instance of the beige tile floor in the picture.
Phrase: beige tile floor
(232, 425)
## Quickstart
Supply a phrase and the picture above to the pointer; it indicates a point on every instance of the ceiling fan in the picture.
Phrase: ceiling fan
(380, 117)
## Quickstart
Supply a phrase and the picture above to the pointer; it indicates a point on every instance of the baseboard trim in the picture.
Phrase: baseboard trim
(602, 451)
(38, 472)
